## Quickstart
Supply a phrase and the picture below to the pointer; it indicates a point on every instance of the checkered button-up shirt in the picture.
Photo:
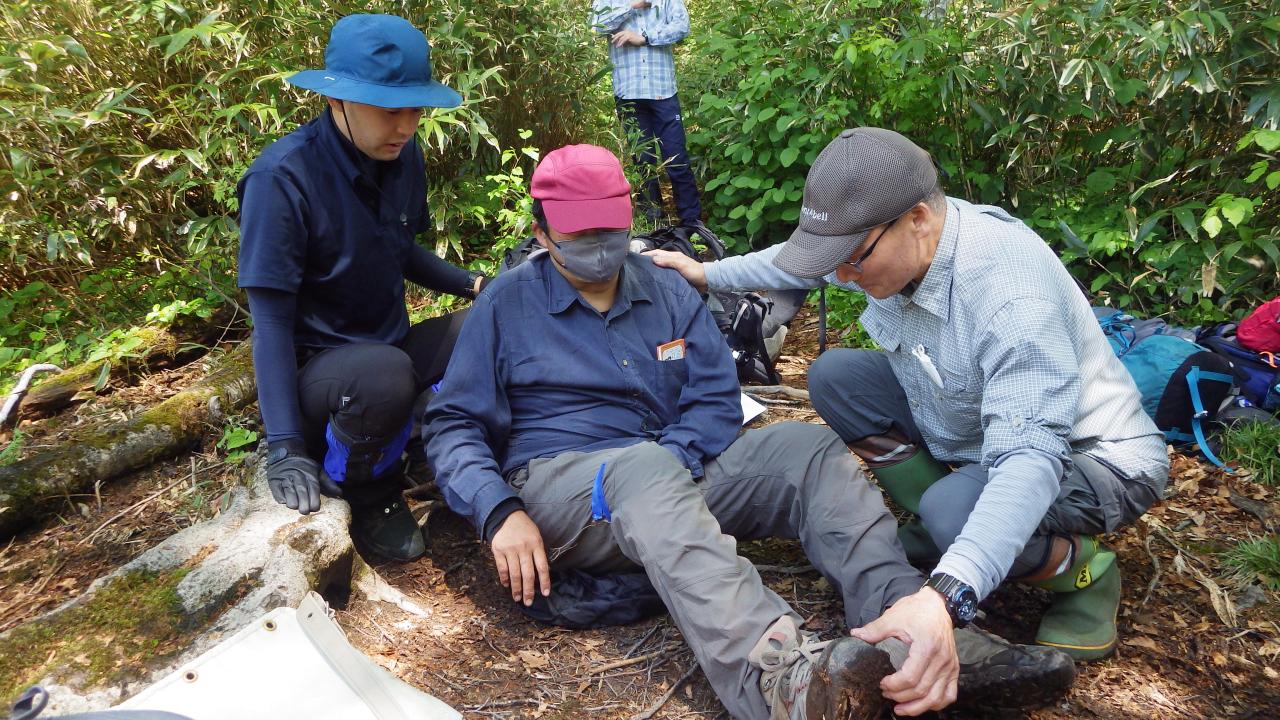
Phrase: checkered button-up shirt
(644, 72)
(1000, 357)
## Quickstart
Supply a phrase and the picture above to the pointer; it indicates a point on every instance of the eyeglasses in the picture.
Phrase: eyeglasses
(856, 265)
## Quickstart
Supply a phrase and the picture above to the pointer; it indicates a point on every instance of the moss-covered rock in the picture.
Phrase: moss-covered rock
(118, 633)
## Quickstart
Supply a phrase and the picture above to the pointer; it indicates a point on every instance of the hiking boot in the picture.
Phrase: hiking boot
(802, 679)
(996, 674)
(918, 543)
(388, 529)
(1082, 623)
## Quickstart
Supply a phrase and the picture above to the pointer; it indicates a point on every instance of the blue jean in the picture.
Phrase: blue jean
(660, 120)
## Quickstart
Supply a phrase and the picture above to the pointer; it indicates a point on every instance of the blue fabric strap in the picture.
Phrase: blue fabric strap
(1194, 376)
(599, 506)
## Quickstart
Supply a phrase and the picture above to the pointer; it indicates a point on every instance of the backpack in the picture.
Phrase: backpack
(1183, 385)
(1260, 331)
(1259, 371)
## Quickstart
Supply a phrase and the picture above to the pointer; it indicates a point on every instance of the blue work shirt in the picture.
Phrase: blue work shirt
(546, 373)
(323, 221)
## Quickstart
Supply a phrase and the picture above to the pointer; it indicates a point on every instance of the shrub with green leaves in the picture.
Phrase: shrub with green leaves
(1139, 138)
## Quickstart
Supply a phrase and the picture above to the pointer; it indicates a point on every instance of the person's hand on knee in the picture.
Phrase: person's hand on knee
(928, 679)
(294, 479)
(520, 558)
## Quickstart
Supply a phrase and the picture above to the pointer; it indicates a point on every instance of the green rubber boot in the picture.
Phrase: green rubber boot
(906, 481)
(918, 543)
(1081, 621)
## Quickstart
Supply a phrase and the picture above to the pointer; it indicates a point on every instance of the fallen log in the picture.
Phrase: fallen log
(58, 391)
(34, 487)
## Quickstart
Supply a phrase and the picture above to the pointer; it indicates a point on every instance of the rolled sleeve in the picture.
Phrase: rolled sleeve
(1032, 381)
(607, 17)
(467, 418)
(671, 26)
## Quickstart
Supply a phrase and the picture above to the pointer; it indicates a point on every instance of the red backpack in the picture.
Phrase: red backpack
(1260, 332)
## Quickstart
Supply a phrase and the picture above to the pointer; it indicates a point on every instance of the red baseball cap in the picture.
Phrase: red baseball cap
(582, 187)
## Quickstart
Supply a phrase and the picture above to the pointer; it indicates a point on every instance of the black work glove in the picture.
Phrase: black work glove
(296, 481)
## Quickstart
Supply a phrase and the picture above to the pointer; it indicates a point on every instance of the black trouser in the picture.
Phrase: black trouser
(367, 392)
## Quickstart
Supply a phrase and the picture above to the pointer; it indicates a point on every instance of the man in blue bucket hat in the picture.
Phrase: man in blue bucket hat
(328, 217)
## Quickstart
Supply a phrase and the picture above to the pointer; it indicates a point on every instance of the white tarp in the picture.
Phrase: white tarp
(289, 665)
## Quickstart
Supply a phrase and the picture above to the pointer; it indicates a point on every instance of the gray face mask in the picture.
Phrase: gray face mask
(596, 257)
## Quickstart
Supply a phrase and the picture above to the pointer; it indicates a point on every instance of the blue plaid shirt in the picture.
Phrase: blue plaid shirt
(644, 72)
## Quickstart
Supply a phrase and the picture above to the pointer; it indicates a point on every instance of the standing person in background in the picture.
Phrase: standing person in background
(641, 36)
(328, 216)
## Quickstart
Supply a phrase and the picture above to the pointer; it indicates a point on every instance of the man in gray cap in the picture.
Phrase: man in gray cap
(328, 219)
(995, 409)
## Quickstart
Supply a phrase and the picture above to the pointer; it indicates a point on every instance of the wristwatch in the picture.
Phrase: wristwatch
(961, 599)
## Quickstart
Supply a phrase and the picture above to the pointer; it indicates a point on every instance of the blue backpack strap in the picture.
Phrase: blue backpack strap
(1119, 326)
(1194, 376)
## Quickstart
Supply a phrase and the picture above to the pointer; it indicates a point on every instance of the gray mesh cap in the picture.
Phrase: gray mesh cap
(866, 177)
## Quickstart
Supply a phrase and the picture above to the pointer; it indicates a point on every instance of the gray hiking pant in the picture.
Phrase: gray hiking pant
(792, 480)
(857, 394)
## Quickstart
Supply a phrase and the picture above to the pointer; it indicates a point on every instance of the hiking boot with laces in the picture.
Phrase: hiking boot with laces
(803, 679)
(996, 674)
(388, 529)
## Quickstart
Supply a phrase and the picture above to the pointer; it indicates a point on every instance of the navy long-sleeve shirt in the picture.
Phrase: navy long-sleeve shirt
(546, 373)
(326, 243)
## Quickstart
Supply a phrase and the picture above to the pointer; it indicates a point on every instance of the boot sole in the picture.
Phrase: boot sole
(1014, 687)
(851, 689)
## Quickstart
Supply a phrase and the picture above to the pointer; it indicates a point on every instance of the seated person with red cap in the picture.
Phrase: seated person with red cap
(594, 427)
(328, 217)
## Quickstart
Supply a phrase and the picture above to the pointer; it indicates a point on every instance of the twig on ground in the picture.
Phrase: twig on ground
(1155, 571)
(790, 392)
(653, 709)
(664, 650)
(131, 508)
(786, 569)
(637, 644)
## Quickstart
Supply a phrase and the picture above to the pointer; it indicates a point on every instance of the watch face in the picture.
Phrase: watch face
(966, 607)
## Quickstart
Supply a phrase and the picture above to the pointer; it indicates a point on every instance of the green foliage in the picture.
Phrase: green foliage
(235, 438)
(1255, 559)
(13, 449)
(1137, 137)
(1254, 446)
(843, 310)
(774, 85)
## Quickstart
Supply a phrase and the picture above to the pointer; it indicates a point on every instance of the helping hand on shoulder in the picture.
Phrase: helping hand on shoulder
(688, 267)
(928, 680)
(520, 558)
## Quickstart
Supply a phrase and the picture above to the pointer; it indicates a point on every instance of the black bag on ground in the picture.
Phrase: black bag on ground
(581, 601)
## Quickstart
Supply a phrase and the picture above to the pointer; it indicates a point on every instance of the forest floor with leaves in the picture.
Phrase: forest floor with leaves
(1194, 642)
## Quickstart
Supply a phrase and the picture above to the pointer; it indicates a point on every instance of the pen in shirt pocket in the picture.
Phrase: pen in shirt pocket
(926, 363)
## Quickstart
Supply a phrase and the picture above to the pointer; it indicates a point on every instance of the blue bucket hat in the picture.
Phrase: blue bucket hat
(380, 60)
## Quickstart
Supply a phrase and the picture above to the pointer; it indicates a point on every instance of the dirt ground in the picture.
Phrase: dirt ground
(1193, 644)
